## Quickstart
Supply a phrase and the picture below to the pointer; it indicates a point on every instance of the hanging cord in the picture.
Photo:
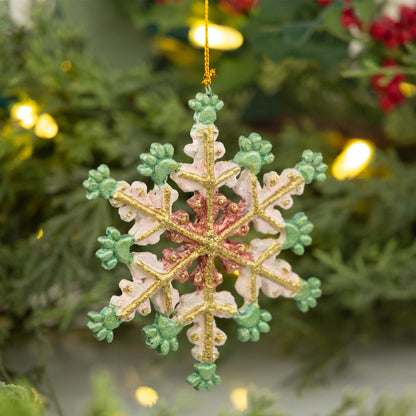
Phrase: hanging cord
(209, 73)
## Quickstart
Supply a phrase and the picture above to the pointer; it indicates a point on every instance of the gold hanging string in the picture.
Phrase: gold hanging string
(209, 73)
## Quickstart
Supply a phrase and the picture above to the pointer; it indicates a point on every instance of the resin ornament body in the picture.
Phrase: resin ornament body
(204, 240)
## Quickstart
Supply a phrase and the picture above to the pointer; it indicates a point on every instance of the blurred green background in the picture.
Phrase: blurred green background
(115, 76)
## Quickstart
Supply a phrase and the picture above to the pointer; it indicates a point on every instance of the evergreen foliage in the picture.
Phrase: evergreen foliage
(22, 401)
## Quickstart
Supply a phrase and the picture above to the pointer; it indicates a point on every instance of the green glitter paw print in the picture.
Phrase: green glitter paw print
(100, 183)
(311, 167)
(252, 322)
(204, 377)
(115, 248)
(161, 335)
(205, 107)
(311, 290)
(158, 164)
(254, 152)
(297, 233)
(102, 323)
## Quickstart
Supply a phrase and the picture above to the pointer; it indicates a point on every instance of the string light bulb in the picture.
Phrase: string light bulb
(25, 113)
(224, 38)
(239, 399)
(46, 127)
(355, 157)
(146, 396)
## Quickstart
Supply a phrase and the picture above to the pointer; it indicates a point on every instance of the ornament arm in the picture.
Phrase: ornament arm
(160, 281)
(161, 216)
(257, 267)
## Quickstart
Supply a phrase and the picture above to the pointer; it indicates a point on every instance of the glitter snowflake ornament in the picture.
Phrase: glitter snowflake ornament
(208, 242)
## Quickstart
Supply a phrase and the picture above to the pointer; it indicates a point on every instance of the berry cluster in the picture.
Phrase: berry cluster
(389, 94)
(393, 33)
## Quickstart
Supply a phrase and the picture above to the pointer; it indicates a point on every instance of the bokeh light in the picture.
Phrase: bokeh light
(39, 234)
(25, 113)
(223, 38)
(353, 159)
(46, 127)
(239, 399)
(146, 396)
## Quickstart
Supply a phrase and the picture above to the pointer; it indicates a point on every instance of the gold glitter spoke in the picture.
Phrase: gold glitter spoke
(257, 268)
(192, 177)
(208, 352)
(276, 225)
(193, 314)
(128, 310)
(168, 296)
(227, 175)
(149, 233)
(231, 310)
(270, 251)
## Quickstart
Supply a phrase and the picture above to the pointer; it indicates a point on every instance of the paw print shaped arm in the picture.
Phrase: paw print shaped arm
(158, 164)
(297, 233)
(204, 377)
(254, 152)
(161, 335)
(102, 323)
(100, 183)
(205, 107)
(252, 322)
(311, 290)
(115, 248)
(311, 167)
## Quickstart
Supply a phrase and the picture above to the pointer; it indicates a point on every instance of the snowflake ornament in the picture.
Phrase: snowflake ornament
(206, 241)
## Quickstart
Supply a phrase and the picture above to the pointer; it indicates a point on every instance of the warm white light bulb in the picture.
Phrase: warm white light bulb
(353, 159)
(219, 37)
(25, 113)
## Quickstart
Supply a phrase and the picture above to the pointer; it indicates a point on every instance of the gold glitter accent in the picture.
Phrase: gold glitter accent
(209, 244)
(233, 208)
(127, 289)
(244, 229)
(273, 180)
(195, 337)
(241, 249)
(173, 258)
